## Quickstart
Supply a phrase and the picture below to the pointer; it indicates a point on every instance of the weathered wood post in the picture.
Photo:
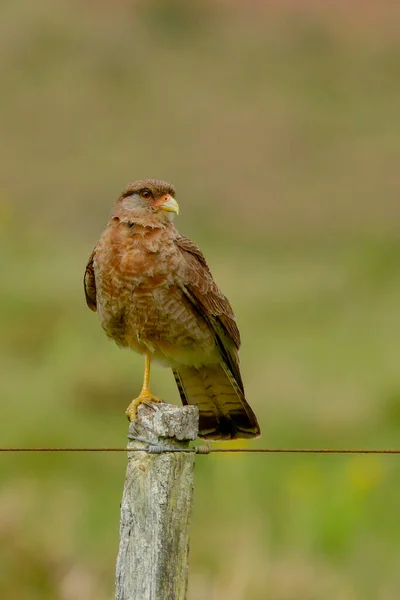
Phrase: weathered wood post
(156, 506)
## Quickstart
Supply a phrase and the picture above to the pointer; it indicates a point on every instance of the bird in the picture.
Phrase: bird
(154, 293)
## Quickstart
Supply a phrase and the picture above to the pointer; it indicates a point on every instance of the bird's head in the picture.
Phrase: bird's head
(149, 200)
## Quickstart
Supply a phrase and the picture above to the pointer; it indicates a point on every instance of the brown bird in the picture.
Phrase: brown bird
(155, 294)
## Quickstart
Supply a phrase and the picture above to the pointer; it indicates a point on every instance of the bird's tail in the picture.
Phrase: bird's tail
(224, 411)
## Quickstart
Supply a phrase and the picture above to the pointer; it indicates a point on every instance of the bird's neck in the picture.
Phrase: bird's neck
(139, 228)
(156, 220)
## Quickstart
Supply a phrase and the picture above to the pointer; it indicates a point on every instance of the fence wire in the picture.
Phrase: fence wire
(205, 449)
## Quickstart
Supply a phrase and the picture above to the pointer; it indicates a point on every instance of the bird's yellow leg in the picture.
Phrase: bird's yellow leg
(145, 395)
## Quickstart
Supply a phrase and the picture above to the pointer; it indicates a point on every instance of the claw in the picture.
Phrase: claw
(144, 398)
(150, 405)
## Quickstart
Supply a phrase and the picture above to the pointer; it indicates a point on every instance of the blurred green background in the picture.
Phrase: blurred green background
(279, 123)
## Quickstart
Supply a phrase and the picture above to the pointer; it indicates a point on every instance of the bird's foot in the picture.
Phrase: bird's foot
(145, 397)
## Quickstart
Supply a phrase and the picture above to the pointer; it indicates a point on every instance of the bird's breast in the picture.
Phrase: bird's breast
(133, 274)
(140, 301)
(125, 261)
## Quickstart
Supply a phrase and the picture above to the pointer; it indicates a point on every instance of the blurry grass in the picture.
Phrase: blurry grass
(281, 135)
(320, 326)
(290, 115)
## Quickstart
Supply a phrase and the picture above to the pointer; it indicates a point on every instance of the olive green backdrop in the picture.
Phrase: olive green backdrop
(279, 125)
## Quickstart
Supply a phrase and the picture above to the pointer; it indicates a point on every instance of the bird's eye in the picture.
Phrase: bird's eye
(146, 194)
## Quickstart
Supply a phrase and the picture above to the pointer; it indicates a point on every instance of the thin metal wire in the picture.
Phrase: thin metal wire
(224, 450)
(64, 450)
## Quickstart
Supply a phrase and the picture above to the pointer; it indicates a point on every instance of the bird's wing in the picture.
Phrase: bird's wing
(90, 283)
(204, 293)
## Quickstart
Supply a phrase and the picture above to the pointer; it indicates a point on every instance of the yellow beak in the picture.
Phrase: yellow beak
(170, 205)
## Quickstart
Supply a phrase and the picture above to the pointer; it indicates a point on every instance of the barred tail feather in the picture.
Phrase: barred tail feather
(224, 411)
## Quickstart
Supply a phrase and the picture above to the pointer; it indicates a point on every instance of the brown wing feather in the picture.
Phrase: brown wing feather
(213, 305)
(205, 289)
(90, 284)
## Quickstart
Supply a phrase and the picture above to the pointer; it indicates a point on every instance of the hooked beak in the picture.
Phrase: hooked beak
(169, 204)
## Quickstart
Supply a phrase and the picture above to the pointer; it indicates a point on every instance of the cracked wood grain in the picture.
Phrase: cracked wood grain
(156, 507)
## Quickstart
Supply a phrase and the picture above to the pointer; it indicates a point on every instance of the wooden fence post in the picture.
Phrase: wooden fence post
(156, 506)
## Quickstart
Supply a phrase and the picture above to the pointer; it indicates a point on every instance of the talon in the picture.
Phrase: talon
(151, 404)
(145, 398)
